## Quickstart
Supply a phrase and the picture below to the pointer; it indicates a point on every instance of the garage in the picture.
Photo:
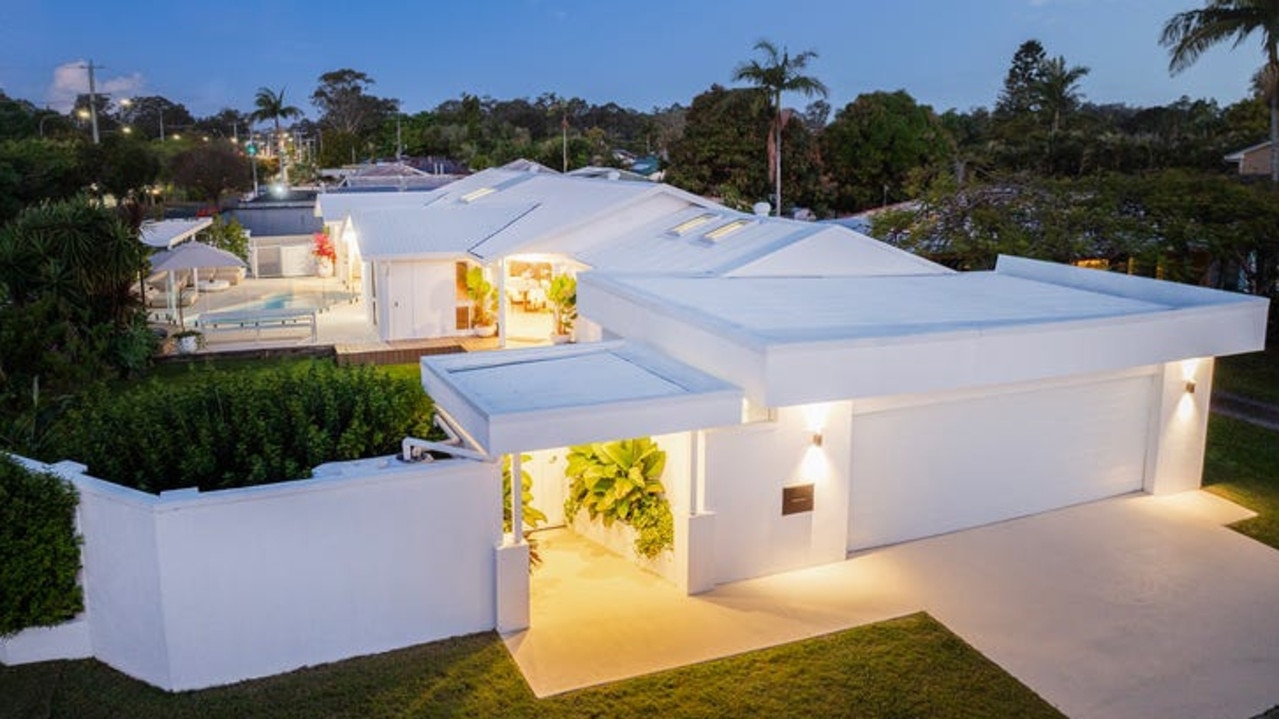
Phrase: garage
(927, 465)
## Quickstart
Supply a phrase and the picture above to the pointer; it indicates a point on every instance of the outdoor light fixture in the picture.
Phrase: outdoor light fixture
(817, 438)
(1190, 386)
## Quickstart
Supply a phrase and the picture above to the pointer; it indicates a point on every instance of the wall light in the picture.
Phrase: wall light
(817, 436)
(1190, 386)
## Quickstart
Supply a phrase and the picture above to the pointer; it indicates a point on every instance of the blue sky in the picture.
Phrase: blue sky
(639, 53)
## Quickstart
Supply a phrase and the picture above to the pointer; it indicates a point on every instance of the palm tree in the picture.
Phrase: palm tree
(778, 73)
(1189, 34)
(1059, 88)
(270, 106)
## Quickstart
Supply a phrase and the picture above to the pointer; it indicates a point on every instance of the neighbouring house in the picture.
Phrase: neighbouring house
(1252, 160)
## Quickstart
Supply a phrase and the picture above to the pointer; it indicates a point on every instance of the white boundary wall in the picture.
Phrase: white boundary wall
(189, 590)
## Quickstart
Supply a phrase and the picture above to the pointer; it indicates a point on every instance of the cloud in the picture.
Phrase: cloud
(71, 79)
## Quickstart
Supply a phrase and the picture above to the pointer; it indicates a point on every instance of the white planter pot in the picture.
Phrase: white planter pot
(188, 345)
(485, 331)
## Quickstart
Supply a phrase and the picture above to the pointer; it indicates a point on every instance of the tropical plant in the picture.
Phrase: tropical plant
(532, 515)
(270, 105)
(622, 481)
(562, 295)
(776, 74)
(39, 549)
(1059, 89)
(1190, 33)
(482, 295)
(229, 235)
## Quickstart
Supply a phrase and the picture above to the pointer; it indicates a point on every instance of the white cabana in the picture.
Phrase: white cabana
(190, 256)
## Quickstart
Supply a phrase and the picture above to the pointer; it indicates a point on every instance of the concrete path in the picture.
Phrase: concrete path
(1136, 606)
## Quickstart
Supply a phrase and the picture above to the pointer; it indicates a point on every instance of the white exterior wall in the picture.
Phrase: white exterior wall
(746, 468)
(417, 299)
(191, 590)
(1179, 427)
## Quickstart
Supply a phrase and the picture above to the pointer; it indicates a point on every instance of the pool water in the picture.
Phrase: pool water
(276, 302)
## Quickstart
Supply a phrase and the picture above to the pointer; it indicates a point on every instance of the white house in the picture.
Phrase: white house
(807, 416)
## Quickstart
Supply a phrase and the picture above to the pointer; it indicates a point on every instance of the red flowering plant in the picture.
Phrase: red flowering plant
(324, 248)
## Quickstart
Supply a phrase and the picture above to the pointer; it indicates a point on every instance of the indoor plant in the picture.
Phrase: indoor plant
(562, 295)
(481, 293)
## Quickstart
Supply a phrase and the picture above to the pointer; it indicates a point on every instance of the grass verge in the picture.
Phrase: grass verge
(1254, 375)
(1242, 465)
(912, 666)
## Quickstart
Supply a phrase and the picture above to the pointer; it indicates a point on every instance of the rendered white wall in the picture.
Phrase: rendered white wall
(420, 297)
(746, 468)
(1179, 427)
(190, 590)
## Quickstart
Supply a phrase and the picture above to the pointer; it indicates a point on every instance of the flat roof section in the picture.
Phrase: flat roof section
(545, 397)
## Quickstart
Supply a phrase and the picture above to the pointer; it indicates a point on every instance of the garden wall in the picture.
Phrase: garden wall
(189, 590)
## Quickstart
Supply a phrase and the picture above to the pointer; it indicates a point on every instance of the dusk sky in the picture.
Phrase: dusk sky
(641, 53)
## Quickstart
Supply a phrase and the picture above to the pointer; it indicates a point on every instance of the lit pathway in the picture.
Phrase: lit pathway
(1137, 606)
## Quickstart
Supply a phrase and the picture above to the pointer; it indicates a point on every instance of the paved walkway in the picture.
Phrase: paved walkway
(1131, 607)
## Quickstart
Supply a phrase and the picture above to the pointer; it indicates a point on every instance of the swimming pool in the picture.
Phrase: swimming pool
(284, 300)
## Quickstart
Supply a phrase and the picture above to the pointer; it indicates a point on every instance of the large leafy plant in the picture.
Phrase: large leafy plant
(622, 481)
(482, 294)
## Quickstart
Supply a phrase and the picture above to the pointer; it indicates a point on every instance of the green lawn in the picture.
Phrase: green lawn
(1254, 375)
(1242, 465)
(908, 667)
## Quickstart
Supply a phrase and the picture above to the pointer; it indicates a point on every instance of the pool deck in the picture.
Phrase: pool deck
(340, 322)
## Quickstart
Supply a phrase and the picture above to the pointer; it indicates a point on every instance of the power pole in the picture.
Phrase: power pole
(93, 102)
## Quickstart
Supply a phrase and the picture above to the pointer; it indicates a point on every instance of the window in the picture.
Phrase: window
(723, 231)
(474, 195)
(684, 227)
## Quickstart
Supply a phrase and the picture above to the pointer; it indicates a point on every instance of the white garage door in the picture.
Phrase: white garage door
(932, 468)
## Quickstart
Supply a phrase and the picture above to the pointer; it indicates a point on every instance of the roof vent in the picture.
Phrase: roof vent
(762, 209)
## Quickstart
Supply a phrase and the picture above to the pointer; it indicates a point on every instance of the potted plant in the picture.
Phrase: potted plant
(562, 295)
(325, 254)
(188, 341)
(482, 295)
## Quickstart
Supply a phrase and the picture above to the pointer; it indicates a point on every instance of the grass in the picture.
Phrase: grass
(1254, 375)
(907, 667)
(1242, 465)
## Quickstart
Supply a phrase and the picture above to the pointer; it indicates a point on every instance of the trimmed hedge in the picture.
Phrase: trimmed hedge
(233, 429)
(39, 549)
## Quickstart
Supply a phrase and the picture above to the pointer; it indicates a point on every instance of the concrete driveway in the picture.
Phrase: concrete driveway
(1132, 607)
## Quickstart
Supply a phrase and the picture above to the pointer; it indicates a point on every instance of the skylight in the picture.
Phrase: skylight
(474, 195)
(725, 230)
(684, 227)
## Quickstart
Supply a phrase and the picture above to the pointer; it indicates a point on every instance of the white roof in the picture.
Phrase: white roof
(167, 233)
(519, 400)
(337, 206)
(425, 232)
(790, 340)
(658, 248)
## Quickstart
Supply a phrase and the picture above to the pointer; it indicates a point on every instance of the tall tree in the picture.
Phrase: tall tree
(1189, 34)
(1020, 94)
(349, 114)
(270, 105)
(776, 74)
(875, 143)
(1058, 89)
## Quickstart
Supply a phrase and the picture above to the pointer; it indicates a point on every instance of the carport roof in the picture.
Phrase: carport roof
(538, 398)
(792, 340)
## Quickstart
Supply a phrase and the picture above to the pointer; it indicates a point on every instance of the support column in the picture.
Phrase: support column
(501, 302)
(517, 500)
(512, 587)
(696, 532)
(1179, 427)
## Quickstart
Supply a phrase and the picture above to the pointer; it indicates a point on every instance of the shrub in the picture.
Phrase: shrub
(235, 429)
(39, 549)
